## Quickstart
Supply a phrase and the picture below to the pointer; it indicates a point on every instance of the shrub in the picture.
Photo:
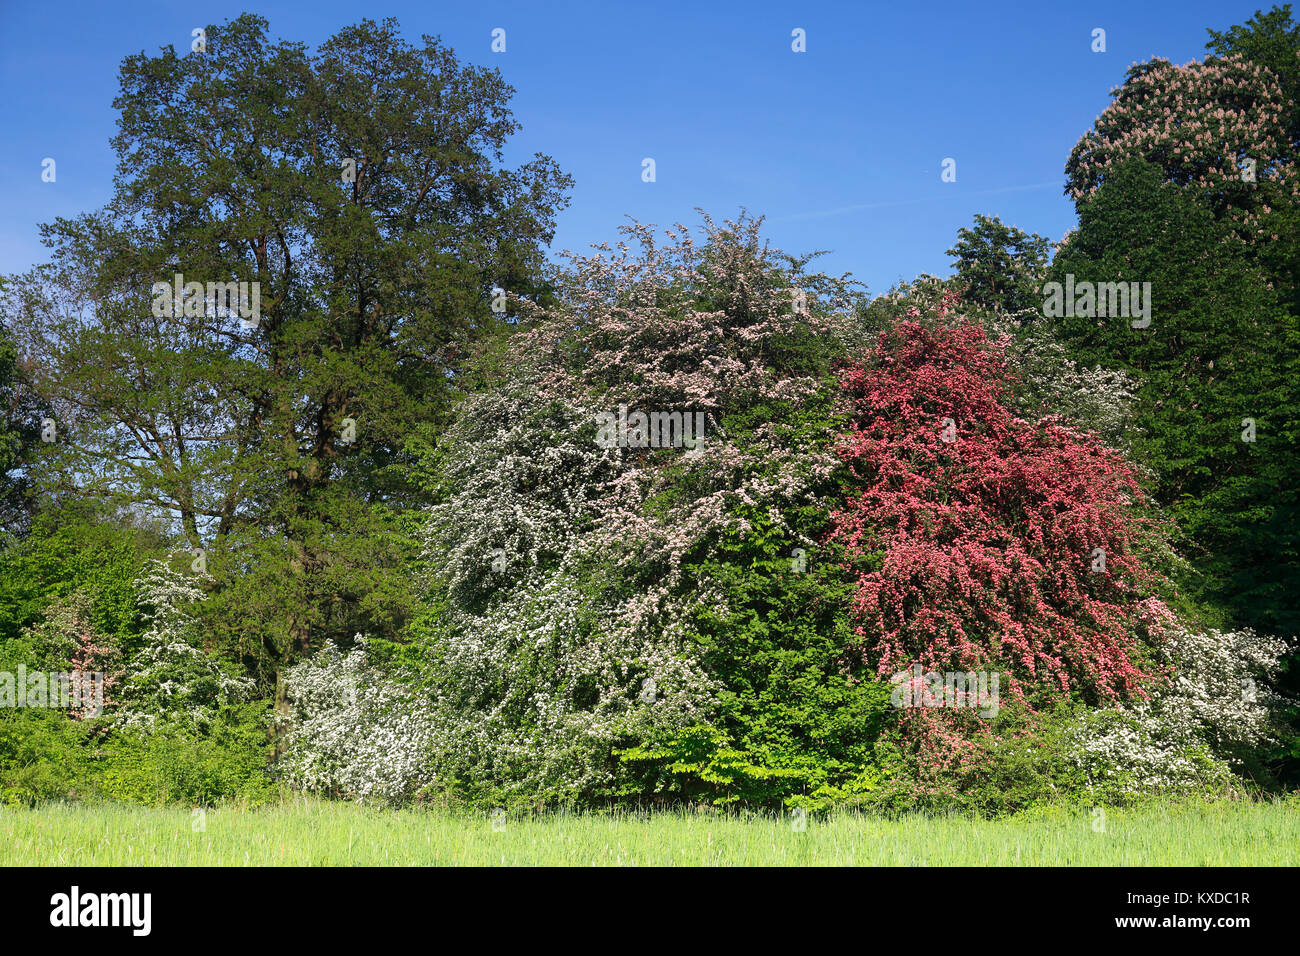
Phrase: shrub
(1208, 718)
(353, 732)
(570, 578)
(42, 757)
(170, 766)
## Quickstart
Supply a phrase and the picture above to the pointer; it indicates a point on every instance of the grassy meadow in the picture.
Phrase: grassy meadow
(312, 833)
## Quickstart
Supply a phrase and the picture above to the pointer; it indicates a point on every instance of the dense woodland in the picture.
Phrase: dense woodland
(375, 546)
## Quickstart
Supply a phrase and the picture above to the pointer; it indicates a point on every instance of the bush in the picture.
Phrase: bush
(354, 732)
(797, 722)
(169, 766)
(42, 757)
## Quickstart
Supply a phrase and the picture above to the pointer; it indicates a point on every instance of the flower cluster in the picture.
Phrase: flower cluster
(1214, 706)
(1216, 126)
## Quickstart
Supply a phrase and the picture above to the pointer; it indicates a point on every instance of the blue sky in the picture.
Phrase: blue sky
(840, 147)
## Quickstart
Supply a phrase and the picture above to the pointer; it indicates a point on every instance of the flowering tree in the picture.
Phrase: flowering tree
(1044, 378)
(570, 572)
(171, 680)
(1006, 545)
(1218, 129)
(1205, 124)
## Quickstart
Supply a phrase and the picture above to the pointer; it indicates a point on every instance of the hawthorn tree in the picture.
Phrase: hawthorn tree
(634, 623)
(1009, 546)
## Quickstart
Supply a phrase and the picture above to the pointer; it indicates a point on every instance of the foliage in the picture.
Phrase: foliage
(66, 640)
(43, 757)
(1270, 40)
(581, 641)
(559, 613)
(1219, 351)
(999, 267)
(18, 432)
(170, 766)
(989, 528)
(1211, 716)
(374, 279)
(797, 723)
(74, 547)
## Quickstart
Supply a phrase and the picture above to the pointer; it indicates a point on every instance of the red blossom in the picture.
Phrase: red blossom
(987, 540)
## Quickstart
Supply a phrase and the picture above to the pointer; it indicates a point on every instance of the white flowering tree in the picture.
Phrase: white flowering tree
(171, 680)
(354, 732)
(561, 598)
(1194, 730)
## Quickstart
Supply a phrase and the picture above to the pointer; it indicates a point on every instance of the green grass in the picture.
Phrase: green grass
(322, 833)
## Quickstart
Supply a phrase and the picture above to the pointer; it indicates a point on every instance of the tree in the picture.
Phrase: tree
(19, 432)
(1000, 267)
(989, 530)
(589, 632)
(1271, 40)
(172, 681)
(359, 193)
(1219, 351)
(1218, 130)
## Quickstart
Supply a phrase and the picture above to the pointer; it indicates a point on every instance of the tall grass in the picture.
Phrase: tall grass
(324, 833)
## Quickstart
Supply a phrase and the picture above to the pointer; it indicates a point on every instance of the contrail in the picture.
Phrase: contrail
(909, 202)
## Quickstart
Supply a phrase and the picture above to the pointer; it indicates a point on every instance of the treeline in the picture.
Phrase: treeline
(682, 520)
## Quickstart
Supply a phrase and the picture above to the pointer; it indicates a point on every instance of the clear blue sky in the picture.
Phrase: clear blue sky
(840, 147)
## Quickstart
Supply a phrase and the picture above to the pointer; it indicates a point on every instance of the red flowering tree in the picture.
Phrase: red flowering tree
(985, 542)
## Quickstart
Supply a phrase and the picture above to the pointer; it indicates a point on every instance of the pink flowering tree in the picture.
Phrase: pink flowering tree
(1004, 546)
